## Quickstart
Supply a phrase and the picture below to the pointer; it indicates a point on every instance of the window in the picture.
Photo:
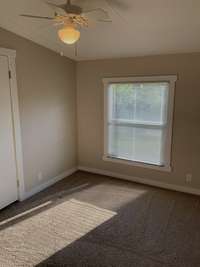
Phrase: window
(138, 120)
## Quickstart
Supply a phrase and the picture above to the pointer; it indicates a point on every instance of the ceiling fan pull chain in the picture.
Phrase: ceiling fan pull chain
(76, 49)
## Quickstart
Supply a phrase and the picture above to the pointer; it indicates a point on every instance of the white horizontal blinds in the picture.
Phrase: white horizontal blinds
(137, 121)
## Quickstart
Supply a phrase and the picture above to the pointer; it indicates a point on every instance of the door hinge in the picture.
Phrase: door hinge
(18, 183)
(9, 74)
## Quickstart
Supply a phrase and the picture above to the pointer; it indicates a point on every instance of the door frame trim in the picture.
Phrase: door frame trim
(11, 55)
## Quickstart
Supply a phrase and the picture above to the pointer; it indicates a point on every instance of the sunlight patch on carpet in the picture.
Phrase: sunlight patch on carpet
(40, 236)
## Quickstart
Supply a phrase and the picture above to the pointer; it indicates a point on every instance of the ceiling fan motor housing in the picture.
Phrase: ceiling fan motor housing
(73, 9)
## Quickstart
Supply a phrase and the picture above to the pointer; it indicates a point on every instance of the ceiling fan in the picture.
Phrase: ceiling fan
(74, 16)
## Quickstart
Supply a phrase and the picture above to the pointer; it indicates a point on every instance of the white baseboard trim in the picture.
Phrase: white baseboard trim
(179, 188)
(47, 184)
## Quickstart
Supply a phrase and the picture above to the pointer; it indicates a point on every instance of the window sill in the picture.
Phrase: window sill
(137, 164)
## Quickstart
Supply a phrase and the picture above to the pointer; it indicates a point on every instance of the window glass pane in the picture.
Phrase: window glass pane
(139, 102)
(135, 143)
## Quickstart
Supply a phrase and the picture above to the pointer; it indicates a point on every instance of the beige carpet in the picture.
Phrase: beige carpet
(92, 220)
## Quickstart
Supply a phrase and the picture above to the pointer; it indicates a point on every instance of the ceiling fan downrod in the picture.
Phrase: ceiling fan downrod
(73, 9)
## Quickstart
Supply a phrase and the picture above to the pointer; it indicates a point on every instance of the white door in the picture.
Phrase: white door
(8, 177)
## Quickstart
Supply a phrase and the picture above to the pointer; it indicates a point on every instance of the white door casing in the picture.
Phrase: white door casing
(11, 161)
(8, 170)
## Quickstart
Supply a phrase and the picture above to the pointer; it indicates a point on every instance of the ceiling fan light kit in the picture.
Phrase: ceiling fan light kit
(69, 34)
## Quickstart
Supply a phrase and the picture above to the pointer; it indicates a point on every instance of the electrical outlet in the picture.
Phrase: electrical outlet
(40, 176)
(188, 178)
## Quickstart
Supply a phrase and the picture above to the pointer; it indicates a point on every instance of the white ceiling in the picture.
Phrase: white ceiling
(146, 27)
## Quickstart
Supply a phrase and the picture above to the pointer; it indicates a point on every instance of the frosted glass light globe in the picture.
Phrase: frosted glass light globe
(69, 35)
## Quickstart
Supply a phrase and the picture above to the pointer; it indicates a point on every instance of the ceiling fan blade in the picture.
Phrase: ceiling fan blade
(57, 6)
(104, 20)
(98, 13)
(118, 4)
(36, 17)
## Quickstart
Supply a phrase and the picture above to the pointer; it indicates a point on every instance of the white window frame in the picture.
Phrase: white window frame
(171, 79)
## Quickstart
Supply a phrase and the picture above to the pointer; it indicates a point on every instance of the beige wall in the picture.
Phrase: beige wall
(186, 128)
(47, 99)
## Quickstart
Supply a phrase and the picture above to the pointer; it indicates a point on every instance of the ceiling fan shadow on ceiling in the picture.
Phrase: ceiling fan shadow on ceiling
(75, 16)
